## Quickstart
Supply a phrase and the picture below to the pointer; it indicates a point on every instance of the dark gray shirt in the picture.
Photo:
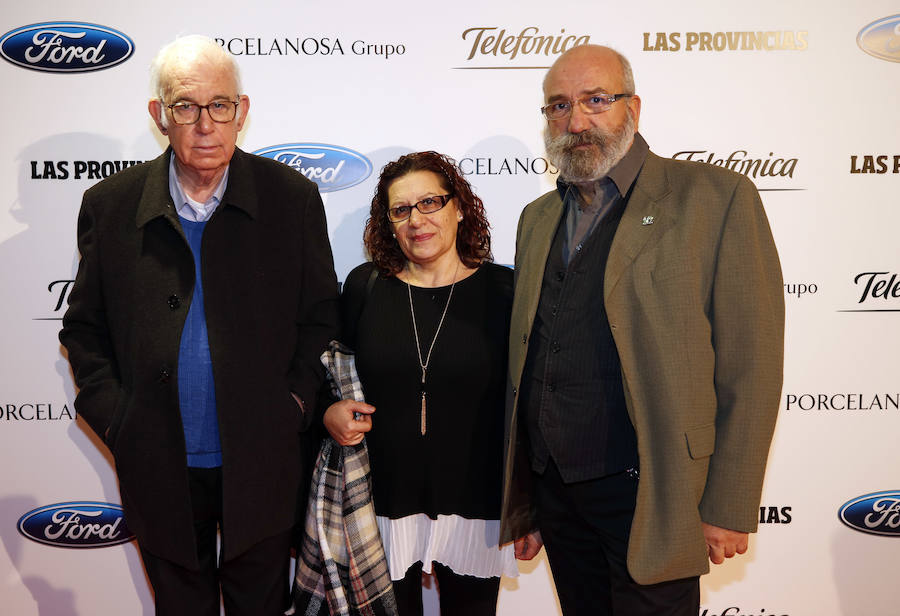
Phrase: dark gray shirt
(582, 219)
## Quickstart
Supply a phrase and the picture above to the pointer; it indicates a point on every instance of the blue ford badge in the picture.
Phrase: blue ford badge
(881, 39)
(330, 166)
(876, 514)
(65, 47)
(79, 524)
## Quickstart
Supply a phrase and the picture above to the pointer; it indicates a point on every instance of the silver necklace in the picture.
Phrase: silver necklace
(423, 426)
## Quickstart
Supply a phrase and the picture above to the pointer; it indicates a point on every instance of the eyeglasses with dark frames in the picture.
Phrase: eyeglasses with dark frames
(428, 205)
(222, 111)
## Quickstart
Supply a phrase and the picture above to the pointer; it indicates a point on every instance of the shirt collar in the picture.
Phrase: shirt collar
(624, 173)
(187, 207)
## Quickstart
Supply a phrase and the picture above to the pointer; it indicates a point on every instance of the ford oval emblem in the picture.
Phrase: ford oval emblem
(65, 47)
(881, 39)
(79, 524)
(330, 166)
(876, 514)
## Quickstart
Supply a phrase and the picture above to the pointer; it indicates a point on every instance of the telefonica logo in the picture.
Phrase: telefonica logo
(742, 161)
(881, 39)
(332, 167)
(757, 166)
(878, 292)
(65, 47)
(59, 295)
(490, 43)
(877, 513)
(80, 524)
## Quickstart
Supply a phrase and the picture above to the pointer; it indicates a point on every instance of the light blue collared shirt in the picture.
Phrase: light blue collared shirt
(186, 207)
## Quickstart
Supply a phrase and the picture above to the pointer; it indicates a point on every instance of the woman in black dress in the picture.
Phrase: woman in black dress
(429, 320)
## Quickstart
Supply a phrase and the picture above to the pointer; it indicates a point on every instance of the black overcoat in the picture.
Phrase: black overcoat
(271, 307)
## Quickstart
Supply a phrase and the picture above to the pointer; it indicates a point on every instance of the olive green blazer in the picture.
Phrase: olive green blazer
(694, 296)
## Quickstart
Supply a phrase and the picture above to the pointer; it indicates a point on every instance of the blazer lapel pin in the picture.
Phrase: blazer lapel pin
(647, 220)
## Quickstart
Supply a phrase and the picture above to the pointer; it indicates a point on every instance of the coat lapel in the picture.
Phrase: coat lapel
(155, 198)
(241, 191)
(536, 240)
(644, 221)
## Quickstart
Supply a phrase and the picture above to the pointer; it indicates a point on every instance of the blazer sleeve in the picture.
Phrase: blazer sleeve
(747, 317)
(86, 334)
(317, 315)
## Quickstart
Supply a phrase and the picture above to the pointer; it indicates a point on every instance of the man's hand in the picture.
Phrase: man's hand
(723, 543)
(341, 425)
(528, 546)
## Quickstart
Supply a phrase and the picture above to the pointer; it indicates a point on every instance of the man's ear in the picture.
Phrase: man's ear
(156, 109)
(242, 111)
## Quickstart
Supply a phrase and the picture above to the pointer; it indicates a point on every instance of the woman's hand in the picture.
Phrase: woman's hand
(341, 425)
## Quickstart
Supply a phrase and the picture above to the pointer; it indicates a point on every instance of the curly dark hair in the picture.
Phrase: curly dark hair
(473, 236)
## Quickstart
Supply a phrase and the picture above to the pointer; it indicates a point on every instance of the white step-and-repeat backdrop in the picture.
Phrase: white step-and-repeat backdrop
(802, 97)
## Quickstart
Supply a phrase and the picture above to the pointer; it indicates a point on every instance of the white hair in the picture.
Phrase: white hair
(184, 50)
(627, 74)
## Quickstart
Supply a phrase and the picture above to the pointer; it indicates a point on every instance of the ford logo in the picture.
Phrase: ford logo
(876, 514)
(330, 166)
(881, 39)
(65, 47)
(80, 524)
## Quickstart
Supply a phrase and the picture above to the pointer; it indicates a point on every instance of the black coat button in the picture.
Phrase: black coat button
(164, 375)
(555, 347)
(551, 387)
(174, 302)
(560, 276)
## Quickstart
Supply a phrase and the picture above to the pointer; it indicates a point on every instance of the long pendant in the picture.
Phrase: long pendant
(423, 426)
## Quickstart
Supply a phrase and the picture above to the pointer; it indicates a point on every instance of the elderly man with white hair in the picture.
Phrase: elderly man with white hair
(204, 295)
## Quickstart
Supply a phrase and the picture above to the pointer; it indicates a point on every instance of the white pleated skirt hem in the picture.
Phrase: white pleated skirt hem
(468, 547)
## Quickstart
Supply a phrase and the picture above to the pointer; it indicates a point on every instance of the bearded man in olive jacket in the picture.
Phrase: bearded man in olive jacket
(204, 296)
(645, 357)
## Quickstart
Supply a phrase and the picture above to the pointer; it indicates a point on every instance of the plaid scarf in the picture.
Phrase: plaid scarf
(342, 568)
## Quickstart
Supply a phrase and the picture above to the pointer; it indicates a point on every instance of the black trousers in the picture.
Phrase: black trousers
(585, 527)
(460, 595)
(255, 583)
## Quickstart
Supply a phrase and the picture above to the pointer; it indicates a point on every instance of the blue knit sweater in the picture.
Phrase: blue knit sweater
(196, 387)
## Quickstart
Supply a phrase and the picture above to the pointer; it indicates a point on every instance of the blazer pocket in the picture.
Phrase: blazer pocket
(701, 441)
(116, 423)
(297, 415)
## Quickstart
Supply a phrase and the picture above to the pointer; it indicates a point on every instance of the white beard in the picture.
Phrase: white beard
(586, 165)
